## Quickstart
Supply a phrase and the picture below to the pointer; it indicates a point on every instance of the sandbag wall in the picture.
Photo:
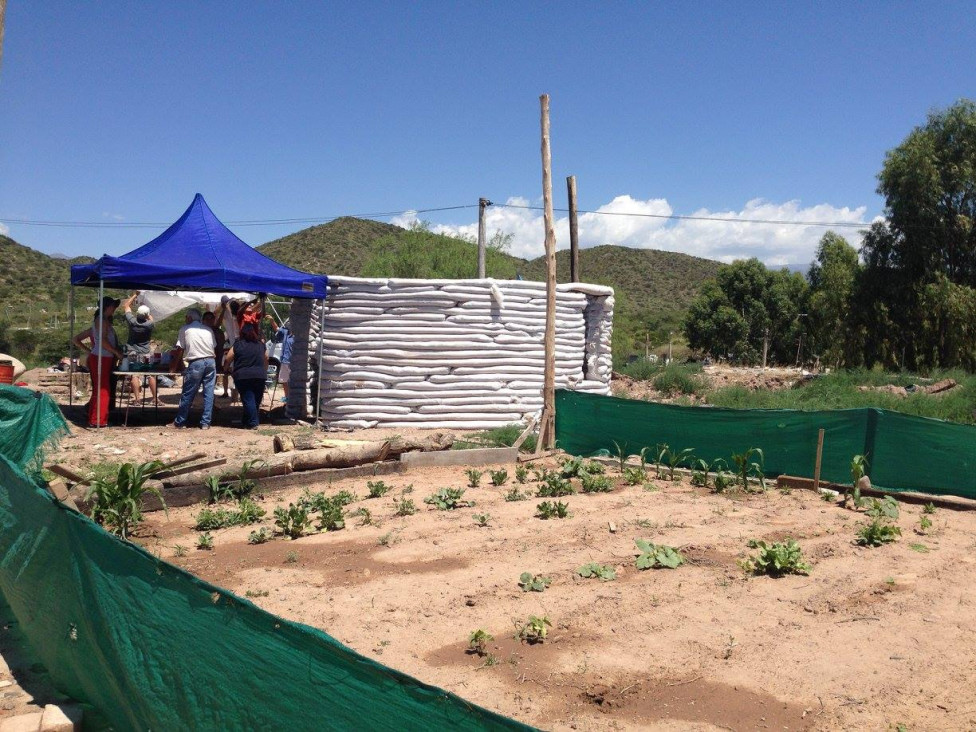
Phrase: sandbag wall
(455, 354)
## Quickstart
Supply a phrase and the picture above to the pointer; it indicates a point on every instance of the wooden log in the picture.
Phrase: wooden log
(65, 472)
(396, 446)
(189, 469)
(345, 456)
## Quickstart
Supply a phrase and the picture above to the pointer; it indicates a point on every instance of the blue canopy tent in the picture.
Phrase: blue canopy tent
(197, 253)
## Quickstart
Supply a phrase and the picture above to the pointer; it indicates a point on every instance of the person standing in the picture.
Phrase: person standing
(226, 314)
(249, 360)
(138, 344)
(197, 346)
(282, 335)
(103, 353)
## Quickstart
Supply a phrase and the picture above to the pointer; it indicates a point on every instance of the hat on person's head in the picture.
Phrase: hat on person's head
(143, 310)
(109, 302)
(224, 299)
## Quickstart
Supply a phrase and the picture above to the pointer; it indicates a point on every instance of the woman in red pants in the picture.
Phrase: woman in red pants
(102, 355)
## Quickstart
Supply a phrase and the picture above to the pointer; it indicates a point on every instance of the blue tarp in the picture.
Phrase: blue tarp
(199, 253)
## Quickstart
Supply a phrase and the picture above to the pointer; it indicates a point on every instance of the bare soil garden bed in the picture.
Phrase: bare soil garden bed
(870, 639)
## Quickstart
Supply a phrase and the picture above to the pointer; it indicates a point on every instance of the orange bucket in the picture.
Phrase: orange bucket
(6, 372)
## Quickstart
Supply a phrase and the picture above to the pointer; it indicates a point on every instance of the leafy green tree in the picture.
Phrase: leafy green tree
(832, 277)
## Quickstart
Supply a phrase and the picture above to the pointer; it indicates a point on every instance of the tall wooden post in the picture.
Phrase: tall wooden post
(483, 203)
(547, 423)
(574, 270)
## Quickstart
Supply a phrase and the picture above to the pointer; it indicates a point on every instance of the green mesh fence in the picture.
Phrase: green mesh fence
(905, 452)
(149, 646)
(28, 420)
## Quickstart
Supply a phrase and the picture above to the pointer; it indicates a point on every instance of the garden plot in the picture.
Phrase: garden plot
(870, 638)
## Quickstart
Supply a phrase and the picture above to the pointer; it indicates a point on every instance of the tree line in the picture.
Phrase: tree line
(906, 300)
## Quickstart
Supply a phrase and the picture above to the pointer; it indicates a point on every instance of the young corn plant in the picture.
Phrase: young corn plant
(859, 467)
(217, 491)
(246, 485)
(116, 502)
(776, 559)
(657, 555)
(514, 494)
(205, 541)
(552, 509)
(924, 524)
(533, 582)
(622, 455)
(179, 550)
(603, 572)
(724, 480)
(535, 630)
(521, 474)
(596, 483)
(261, 536)
(747, 467)
(292, 521)
(377, 488)
(498, 477)
(478, 642)
(674, 459)
(447, 499)
(474, 477)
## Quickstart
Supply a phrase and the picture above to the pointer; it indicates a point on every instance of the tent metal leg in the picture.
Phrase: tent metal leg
(101, 346)
(318, 375)
(71, 350)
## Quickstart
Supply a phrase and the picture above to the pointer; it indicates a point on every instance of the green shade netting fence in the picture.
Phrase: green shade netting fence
(905, 452)
(28, 419)
(152, 647)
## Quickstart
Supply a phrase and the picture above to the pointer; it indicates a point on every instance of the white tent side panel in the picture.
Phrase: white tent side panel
(463, 354)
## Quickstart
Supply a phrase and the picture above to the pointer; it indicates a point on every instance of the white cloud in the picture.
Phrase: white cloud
(728, 238)
(4, 230)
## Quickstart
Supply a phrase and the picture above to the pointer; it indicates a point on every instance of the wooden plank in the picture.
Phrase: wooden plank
(189, 469)
(66, 472)
(525, 433)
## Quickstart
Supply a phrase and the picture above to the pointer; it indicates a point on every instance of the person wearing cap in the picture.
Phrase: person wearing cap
(197, 346)
(140, 334)
(102, 355)
(249, 360)
(226, 314)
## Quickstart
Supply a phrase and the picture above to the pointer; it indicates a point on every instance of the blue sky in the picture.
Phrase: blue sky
(118, 113)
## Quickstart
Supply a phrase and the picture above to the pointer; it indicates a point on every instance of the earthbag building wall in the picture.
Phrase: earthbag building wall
(454, 354)
(905, 453)
(149, 646)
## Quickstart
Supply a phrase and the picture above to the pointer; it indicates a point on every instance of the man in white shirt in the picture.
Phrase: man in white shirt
(195, 344)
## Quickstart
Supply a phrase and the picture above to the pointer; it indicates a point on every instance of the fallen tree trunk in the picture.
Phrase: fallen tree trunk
(397, 445)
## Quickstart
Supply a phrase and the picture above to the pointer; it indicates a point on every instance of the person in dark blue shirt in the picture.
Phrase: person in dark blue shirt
(248, 360)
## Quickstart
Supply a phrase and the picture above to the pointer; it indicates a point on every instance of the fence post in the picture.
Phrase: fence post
(816, 467)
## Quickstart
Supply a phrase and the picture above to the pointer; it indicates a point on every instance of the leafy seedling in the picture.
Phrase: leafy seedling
(404, 507)
(776, 559)
(498, 477)
(331, 515)
(474, 477)
(478, 642)
(482, 519)
(292, 521)
(597, 483)
(877, 533)
(533, 582)
(554, 486)
(601, 571)
(217, 491)
(929, 508)
(365, 516)
(248, 512)
(622, 454)
(535, 630)
(552, 509)
(884, 510)
(205, 541)
(859, 467)
(673, 459)
(377, 488)
(447, 499)
(657, 555)
(514, 494)
(261, 536)
(179, 550)
(747, 467)
(634, 476)
(116, 501)
(571, 467)
(521, 474)
(924, 524)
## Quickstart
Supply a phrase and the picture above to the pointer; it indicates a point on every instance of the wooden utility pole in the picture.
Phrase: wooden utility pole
(574, 269)
(547, 422)
(483, 203)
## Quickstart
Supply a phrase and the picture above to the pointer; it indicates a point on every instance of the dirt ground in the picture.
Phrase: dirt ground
(871, 639)
(717, 376)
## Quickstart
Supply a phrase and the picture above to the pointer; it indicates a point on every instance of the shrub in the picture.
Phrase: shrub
(677, 379)
(776, 559)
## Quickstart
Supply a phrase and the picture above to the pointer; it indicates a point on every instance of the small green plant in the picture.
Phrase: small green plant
(292, 521)
(482, 519)
(724, 480)
(246, 485)
(447, 499)
(261, 536)
(205, 541)
(514, 494)
(256, 593)
(877, 533)
(535, 630)
(521, 474)
(216, 491)
(291, 558)
(209, 519)
(776, 559)
(498, 477)
(924, 524)
(552, 509)
(673, 459)
(474, 477)
(248, 512)
(571, 467)
(331, 515)
(533, 582)
(116, 500)
(554, 486)
(404, 506)
(634, 476)
(747, 467)
(365, 516)
(179, 550)
(596, 483)
(929, 508)
(377, 488)
(859, 467)
(920, 548)
(699, 473)
(884, 510)
(622, 454)
(388, 539)
(601, 571)
(478, 642)
(657, 555)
